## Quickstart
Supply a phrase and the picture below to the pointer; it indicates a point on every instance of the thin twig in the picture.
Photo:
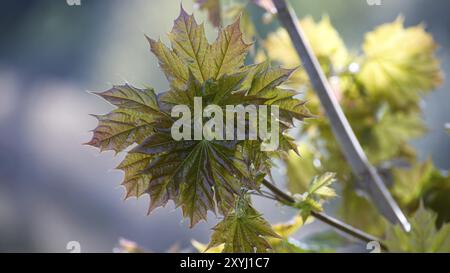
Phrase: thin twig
(350, 146)
(339, 225)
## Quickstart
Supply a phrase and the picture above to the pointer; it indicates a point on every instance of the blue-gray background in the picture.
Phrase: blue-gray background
(53, 189)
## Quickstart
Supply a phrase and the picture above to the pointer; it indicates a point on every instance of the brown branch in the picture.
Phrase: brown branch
(339, 225)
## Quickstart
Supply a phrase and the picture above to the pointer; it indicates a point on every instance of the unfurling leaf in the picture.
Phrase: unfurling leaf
(320, 186)
(317, 193)
(197, 175)
(243, 231)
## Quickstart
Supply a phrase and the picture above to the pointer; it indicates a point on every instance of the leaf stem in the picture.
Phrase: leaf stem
(343, 132)
(341, 226)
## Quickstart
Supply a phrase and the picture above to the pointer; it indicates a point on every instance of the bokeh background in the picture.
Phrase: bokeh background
(53, 189)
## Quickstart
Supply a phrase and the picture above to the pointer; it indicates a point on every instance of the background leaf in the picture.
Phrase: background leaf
(423, 237)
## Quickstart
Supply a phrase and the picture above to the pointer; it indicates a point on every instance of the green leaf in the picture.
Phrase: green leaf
(400, 63)
(320, 186)
(422, 181)
(197, 175)
(225, 56)
(423, 237)
(317, 193)
(436, 197)
(243, 231)
(281, 244)
(410, 183)
(228, 51)
(119, 129)
(280, 49)
(387, 137)
(189, 43)
(266, 78)
(285, 230)
(172, 65)
(265, 83)
(235, 11)
(131, 123)
(197, 170)
(136, 183)
(126, 96)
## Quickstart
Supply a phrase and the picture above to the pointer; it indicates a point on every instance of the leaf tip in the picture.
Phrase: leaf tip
(183, 14)
(150, 40)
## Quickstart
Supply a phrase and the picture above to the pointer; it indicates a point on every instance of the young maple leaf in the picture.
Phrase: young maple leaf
(243, 231)
(197, 175)
(400, 63)
(279, 46)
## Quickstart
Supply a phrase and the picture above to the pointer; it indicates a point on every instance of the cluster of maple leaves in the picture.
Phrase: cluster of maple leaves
(379, 90)
(199, 176)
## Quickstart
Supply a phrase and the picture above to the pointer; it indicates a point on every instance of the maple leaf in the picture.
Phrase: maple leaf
(265, 83)
(130, 123)
(410, 183)
(320, 186)
(197, 175)
(135, 182)
(279, 46)
(242, 231)
(279, 244)
(317, 193)
(423, 237)
(387, 135)
(400, 63)
(422, 180)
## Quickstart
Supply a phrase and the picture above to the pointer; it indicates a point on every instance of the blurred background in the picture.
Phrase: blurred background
(53, 189)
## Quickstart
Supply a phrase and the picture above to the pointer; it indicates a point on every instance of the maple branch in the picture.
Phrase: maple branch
(344, 134)
(339, 225)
